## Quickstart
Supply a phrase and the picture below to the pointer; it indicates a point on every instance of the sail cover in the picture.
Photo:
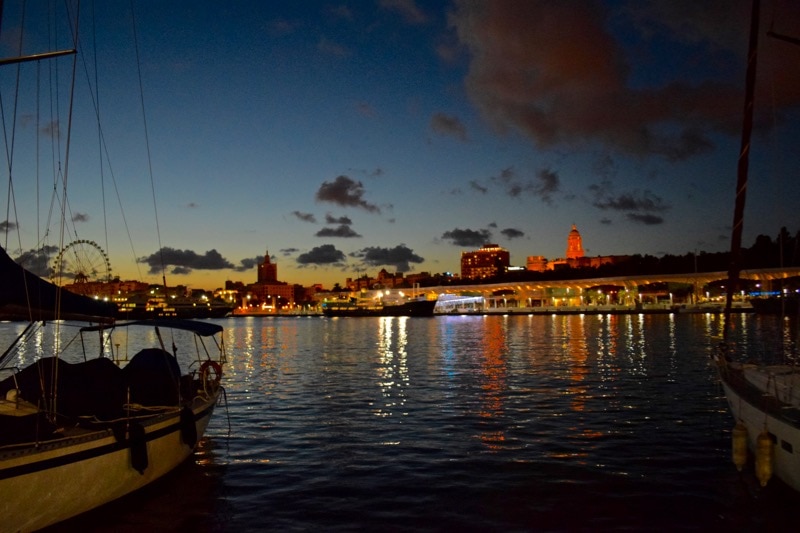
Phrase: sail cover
(24, 295)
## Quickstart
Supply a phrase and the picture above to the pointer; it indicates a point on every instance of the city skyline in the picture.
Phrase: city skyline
(350, 137)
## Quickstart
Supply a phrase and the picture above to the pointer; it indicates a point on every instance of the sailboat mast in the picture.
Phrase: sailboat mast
(744, 160)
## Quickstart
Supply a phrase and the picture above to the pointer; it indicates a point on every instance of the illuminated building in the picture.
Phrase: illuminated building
(267, 271)
(536, 263)
(489, 261)
(268, 290)
(574, 244)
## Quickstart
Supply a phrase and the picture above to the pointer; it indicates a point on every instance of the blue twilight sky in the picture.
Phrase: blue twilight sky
(346, 137)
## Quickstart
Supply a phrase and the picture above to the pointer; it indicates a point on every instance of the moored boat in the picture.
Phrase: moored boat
(81, 423)
(379, 303)
(80, 429)
(763, 396)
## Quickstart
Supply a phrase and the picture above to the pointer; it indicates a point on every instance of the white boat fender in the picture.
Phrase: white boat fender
(739, 445)
(188, 427)
(138, 444)
(764, 458)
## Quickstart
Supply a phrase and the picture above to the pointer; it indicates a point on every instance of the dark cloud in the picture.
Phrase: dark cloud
(645, 218)
(444, 124)
(330, 219)
(345, 192)
(557, 73)
(6, 226)
(399, 257)
(478, 187)
(547, 183)
(644, 201)
(512, 233)
(80, 217)
(327, 254)
(192, 205)
(305, 217)
(289, 251)
(39, 261)
(544, 184)
(184, 261)
(343, 230)
(249, 263)
(468, 237)
(407, 9)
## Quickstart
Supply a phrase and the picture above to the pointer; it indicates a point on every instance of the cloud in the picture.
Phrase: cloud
(547, 183)
(644, 201)
(644, 218)
(448, 125)
(408, 9)
(289, 251)
(345, 192)
(556, 73)
(6, 226)
(327, 254)
(399, 257)
(478, 187)
(249, 263)
(184, 261)
(80, 217)
(512, 233)
(305, 217)
(330, 219)
(343, 230)
(468, 237)
(38, 261)
(638, 206)
(544, 184)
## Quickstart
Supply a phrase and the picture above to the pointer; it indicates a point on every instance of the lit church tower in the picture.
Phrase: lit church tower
(574, 244)
(267, 271)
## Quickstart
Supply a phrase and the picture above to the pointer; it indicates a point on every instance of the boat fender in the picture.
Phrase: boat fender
(210, 372)
(188, 427)
(739, 445)
(138, 444)
(764, 458)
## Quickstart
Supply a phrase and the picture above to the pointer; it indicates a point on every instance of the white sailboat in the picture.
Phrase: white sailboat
(764, 399)
(82, 424)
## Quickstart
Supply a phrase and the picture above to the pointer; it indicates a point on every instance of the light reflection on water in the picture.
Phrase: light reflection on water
(472, 423)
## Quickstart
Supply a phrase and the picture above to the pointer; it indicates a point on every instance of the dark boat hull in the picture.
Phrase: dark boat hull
(413, 308)
(776, 305)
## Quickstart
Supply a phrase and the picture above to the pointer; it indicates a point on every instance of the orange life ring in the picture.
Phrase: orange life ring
(215, 367)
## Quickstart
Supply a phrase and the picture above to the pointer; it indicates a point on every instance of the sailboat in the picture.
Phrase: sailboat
(99, 410)
(764, 399)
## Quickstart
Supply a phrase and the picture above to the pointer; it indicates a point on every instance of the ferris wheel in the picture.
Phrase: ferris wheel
(81, 261)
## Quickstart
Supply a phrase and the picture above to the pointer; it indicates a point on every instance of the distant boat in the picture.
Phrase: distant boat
(143, 307)
(379, 303)
(763, 398)
(80, 426)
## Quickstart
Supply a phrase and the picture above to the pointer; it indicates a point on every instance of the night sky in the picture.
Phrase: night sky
(346, 137)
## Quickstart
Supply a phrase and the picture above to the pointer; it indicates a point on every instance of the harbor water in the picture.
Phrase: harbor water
(468, 423)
